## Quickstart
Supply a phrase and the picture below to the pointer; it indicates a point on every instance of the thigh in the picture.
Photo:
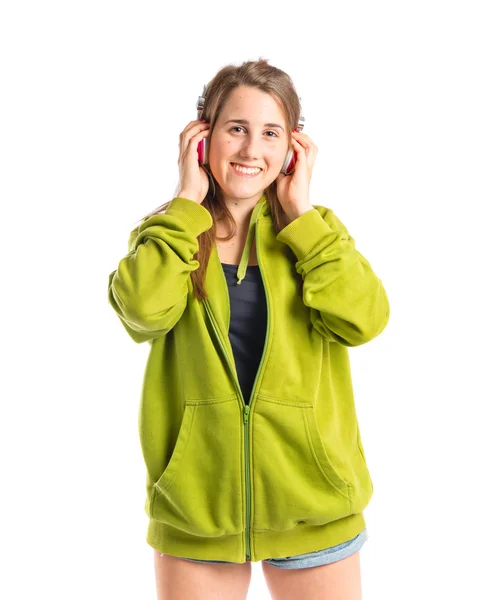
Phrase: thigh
(177, 579)
(339, 580)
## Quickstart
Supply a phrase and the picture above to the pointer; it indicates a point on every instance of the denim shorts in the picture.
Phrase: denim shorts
(310, 559)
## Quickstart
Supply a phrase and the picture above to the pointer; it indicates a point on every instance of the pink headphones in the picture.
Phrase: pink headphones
(290, 158)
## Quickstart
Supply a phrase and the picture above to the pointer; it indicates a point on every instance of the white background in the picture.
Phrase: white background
(94, 96)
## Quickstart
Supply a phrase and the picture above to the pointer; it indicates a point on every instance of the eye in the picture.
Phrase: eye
(238, 127)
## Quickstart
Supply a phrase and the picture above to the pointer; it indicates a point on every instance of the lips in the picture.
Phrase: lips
(245, 175)
(246, 166)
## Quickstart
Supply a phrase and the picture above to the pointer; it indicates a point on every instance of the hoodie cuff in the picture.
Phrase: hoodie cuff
(304, 232)
(196, 217)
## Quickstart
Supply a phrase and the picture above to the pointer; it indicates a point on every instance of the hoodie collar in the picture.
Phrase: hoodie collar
(242, 267)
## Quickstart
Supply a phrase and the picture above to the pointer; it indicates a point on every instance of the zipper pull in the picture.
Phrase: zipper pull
(246, 413)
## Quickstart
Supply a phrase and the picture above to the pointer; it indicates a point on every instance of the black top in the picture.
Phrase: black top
(248, 321)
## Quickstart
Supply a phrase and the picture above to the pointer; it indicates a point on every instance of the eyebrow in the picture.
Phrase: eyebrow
(245, 122)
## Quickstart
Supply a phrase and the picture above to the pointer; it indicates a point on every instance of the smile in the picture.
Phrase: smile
(242, 172)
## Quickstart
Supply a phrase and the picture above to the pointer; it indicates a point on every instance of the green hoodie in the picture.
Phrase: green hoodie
(284, 474)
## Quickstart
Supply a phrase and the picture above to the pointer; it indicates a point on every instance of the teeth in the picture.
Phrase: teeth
(245, 170)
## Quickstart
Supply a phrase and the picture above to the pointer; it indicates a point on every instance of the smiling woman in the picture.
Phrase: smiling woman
(247, 421)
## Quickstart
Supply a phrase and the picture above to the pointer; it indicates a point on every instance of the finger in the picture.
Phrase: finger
(302, 138)
(307, 144)
(297, 145)
(299, 140)
(308, 149)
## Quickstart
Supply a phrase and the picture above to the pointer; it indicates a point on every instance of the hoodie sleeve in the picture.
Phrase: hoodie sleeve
(348, 303)
(148, 290)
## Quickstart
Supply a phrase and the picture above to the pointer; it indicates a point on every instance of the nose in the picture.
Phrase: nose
(250, 149)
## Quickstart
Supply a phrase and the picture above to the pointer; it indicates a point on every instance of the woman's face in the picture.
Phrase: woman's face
(261, 140)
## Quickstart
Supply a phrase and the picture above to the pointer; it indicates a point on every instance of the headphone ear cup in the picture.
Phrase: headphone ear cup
(206, 149)
(288, 163)
(202, 151)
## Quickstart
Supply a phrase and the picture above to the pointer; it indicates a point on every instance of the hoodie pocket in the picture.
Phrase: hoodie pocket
(200, 490)
(294, 478)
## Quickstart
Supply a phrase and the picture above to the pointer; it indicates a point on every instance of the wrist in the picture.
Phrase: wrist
(189, 196)
(298, 212)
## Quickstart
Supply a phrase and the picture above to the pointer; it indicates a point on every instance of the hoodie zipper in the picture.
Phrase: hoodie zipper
(246, 407)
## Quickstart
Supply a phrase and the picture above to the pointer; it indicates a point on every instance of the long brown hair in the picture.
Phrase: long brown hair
(267, 78)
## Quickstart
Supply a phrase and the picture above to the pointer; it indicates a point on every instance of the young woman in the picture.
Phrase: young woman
(250, 295)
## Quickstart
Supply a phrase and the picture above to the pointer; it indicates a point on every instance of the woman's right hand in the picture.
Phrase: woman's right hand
(193, 179)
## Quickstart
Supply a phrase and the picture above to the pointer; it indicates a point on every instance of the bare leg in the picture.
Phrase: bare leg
(336, 581)
(178, 579)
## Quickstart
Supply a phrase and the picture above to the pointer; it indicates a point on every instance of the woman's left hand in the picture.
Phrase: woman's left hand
(293, 191)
